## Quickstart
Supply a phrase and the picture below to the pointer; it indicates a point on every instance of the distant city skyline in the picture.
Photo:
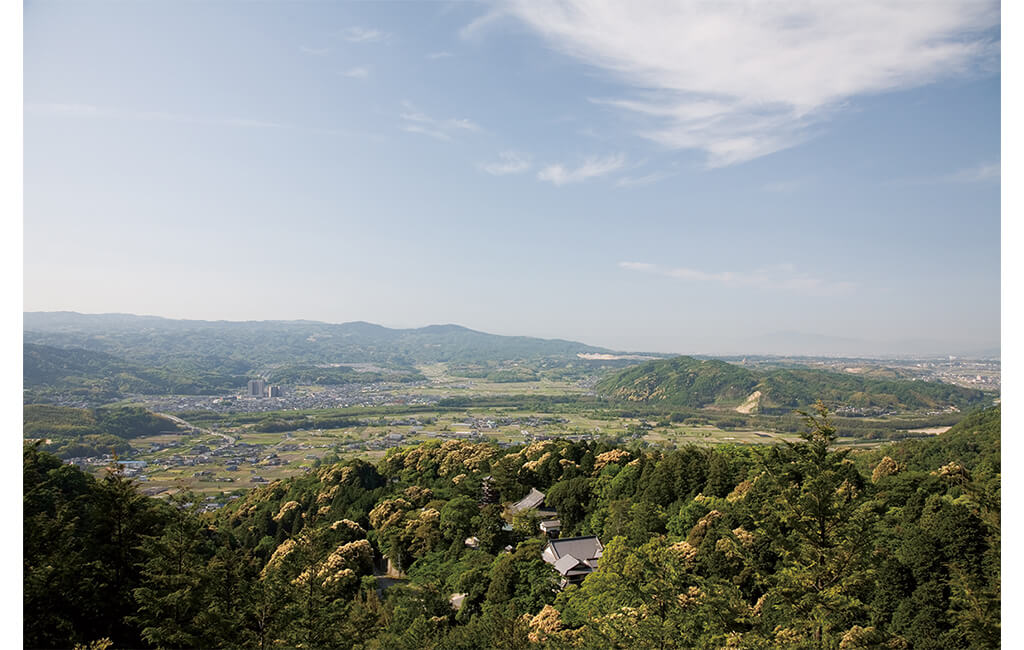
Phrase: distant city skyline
(690, 181)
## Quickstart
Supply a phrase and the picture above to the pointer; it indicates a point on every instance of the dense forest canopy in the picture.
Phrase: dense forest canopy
(688, 382)
(70, 432)
(798, 545)
(99, 376)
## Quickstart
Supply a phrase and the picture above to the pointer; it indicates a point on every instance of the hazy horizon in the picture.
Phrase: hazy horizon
(523, 169)
(779, 343)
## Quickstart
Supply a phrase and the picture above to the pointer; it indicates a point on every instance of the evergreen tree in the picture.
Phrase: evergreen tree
(171, 595)
(821, 527)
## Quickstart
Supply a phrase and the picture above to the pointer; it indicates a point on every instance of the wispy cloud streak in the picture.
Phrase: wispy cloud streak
(988, 172)
(415, 121)
(779, 277)
(593, 167)
(364, 35)
(358, 72)
(646, 179)
(980, 174)
(509, 162)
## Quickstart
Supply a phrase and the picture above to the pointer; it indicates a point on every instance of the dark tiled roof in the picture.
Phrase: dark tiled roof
(532, 500)
(584, 548)
(566, 563)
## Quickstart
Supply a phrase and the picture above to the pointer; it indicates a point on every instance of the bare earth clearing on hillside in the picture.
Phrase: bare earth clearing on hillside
(753, 401)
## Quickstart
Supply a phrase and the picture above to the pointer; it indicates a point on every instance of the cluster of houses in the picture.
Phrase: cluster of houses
(507, 421)
(232, 456)
(864, 411)
(333, 396)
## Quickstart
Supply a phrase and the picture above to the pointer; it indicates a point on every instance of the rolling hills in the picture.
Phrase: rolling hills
(241, 346)
(696, 383)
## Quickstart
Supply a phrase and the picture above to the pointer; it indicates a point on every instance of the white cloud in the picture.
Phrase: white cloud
(314, 51)
(480, 24)
(638, 266)
(415, 121)
(439, 55)
(510, 162)
(739, 81)
(358, 72)
(779, 277)
(646, 179)
(980, 174)
(591, 168)
(364, 35)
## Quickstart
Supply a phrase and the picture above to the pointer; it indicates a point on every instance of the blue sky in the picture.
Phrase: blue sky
(689, 181)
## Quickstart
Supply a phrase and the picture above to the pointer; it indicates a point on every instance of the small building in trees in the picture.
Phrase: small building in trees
(573, 557)
(488, 491)
(534, 501)
(551, 527)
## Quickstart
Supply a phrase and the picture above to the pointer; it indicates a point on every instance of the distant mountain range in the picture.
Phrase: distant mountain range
(241, 346)
(696, 383)
(153, 339)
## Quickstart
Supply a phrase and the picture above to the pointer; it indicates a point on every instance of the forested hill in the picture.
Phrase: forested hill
(164, 342)
(98, 376)
(973, 443)
(745, 546)
(70, 432)
(695, 383)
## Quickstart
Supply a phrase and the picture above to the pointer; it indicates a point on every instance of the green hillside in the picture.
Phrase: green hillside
(974, 443)
(695, 383)
(100, 376)
(69, 432)
(682, 381)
